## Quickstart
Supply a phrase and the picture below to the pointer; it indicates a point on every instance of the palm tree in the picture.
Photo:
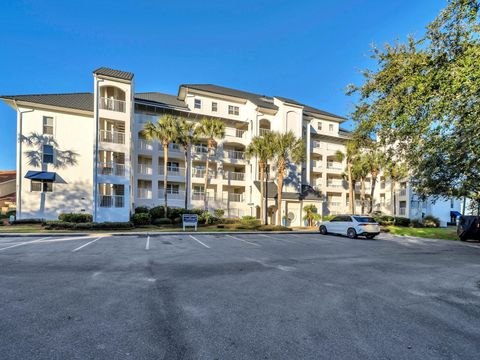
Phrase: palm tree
(374, 161)
(166, 132)
(395, 172)
(350, 157)
(211, 129)
(360, 171)
(186, 137)
(287, 149)
(261, 148)
(311, 214)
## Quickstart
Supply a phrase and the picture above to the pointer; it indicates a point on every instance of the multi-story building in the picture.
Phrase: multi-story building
(87, 152)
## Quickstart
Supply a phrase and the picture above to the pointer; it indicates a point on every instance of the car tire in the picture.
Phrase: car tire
(323, 230)
(351, 233)
(370, 236)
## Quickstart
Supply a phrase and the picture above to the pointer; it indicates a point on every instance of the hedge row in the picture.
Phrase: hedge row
(62, 225)
(76, 218)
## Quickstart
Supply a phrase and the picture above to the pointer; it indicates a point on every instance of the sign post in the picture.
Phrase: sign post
(190, 220)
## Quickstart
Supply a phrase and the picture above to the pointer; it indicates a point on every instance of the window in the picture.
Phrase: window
(233, 110)
(198, 190)
(198, 104)
(330, 127)
(319, 125)
(43, 186)
(173, 188)
(48, 125)
(47, 154)
(214, 106)
(451, 203)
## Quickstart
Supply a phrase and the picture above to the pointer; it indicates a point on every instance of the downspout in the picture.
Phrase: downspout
(19, 158)
(95, 165)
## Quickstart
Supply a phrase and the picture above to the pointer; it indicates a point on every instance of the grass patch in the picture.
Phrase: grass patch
(448, 233)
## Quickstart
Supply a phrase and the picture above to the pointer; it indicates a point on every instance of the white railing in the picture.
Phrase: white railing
(145, 169)
(402, 211)
(402, 192)
(263, 131)
(234, 154)
(200, 150)
(172, 194)
(334, 166)
(231, 175)
(175, 148)
(172, 170)
(334, 147)
(144, 193)
(237, 133)
(109, 201)
(333, 203)
(114, 137)
(233, 197)
(111, 168)
(199, 196)
(145, 144)
(335, 184)
(200, 173)
(112, 104)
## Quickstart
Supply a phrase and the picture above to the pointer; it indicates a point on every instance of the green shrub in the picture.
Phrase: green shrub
(230, 221)
(76, 217)
(62, 225)
(273, 228)
(27, 221)
(219, 213)
(431, 221)
(162, 221)
(416, 223)
(141, 219)
(141, 210)
(384, 220)
(250, 221)
(157, 212)
(402, 221)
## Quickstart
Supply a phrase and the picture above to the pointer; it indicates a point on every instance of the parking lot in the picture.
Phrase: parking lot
(239, 296)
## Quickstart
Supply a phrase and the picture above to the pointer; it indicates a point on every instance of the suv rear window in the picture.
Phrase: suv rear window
(364, 219)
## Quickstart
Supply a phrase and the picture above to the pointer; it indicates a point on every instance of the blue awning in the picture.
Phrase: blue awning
(455, 214)
(41, 175)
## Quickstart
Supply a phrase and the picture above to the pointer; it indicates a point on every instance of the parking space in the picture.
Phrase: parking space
(238, 296)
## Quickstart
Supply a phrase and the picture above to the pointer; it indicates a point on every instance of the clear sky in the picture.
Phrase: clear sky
(308, 50)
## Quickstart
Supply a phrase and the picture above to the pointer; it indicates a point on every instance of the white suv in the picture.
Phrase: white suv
(351, 225)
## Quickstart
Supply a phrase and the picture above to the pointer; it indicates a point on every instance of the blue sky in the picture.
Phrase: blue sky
(306, 50)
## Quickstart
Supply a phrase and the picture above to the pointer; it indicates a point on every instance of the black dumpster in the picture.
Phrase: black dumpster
(468, 228)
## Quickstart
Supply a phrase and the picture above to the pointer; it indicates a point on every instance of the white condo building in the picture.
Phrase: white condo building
(85, 152)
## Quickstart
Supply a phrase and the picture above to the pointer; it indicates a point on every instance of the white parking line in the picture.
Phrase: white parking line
(279, 239)
(23, 243)
(147, 245)
(90, 242)
(245, 241)
(194, 238)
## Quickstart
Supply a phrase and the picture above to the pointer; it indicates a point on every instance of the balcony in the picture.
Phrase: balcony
(172, 170)
(144, 193)
(317, 164)
(234, 154)
(235, 176)
(334, 204)
(236, 133)
(199, 197)
(233, 197)
(111, 168)
(172, 194)
(334, 166)
(114, 137)
(263, 131)
(402, 211)
(145, 145)
(111, 201)
(200, 173)
(112, 104)
(145, 169)
(402, 192)
(335, 184)
(199, 150)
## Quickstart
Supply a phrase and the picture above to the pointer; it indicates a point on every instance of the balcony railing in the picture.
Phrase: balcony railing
(335, 184)
(172, 170)
(402, 192)
(114, 137)
(145, 169)
(236, 176)
(263, 131)
(172, 194)
(234, 154)
(145, 144)
(112, 104)
(402, 211)
(334, 166)
(333, 203)
(109, 201)
(199, 150)
(199, 196)
(233, 197)
(237, 133)
(200, 173)
(144, 193)
(172, 148)
(111, 168)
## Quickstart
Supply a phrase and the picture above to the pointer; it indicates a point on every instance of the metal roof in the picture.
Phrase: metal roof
(309, 109)
(124, 75)
(80, 101)
(159, 98)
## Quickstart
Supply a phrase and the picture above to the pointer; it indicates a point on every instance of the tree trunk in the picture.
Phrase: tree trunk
(279, 195)
(362, 194)
(205, 201)
(394, 201)
(262, 191)
(372, 191)
(187, 179)
(165, 160)
(350, 189)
